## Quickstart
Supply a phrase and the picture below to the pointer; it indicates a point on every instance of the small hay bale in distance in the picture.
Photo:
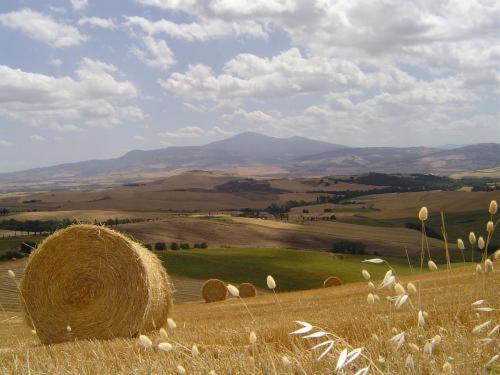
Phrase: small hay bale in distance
(247, 290)
(214, 290)
(332, 281)
(96, 281)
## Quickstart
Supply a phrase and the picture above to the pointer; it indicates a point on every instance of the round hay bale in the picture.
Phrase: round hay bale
(214, 290)
(96, 281)
(247, 290)
(332, 281)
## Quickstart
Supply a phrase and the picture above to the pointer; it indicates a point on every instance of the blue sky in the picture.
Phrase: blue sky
(88, 79)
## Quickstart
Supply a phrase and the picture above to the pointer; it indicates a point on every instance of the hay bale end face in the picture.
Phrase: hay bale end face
(332, 281)
(96, 281)
(247, 290)
(214, 290)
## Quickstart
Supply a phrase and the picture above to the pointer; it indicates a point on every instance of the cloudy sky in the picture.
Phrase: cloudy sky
(87, 79)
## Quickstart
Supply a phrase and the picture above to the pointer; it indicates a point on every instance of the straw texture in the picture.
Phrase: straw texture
(247, 290)
(332, 281)
(96, 281)
(214, 290)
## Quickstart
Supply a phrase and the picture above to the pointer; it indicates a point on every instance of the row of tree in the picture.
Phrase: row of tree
(161, 246)
(49, 226)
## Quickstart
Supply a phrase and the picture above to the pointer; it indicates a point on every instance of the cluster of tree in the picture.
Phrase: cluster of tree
(431, 232)
(161, 246)
(279, 210)
(50, 226)
(4, 211)
(415, 180)
(349, 247)
(24, 250)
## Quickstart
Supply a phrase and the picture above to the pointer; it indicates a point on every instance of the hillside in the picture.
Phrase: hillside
(255, 154)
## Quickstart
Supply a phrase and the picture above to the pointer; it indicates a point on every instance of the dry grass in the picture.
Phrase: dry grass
(396, 205)
(226, 231)
(220, 331)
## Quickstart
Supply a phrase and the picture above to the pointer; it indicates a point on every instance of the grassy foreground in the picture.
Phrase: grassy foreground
(221, 334)
(296, 269)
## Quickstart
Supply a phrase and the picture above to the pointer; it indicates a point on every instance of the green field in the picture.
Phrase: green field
(292, 269)
(14, 243)
(458, 224)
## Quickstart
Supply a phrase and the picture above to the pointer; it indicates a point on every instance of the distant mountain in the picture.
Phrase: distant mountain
(245, 149)
(295, 156)
(401, 160)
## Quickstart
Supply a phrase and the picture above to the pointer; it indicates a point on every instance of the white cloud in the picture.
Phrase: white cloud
(79, 4)
(139, 138)
(156, 53)
(188, 134)
(3, 142)
(43, 28)
(37, 138)
(445, 33)
(250, 76)
(203, 30)
(94, 96)
(104, 23)
(56, 62)
(66, 128)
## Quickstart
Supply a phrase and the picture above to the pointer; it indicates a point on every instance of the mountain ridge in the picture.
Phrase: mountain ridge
(297, 156)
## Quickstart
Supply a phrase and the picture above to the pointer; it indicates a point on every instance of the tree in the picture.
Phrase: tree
(160, 246)
(185, 246)
(174, 246)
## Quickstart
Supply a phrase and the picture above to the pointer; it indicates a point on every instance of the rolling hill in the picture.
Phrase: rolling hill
(295, 156)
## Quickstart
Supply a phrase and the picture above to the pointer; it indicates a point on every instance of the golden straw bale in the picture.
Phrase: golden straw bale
(214, 290)
(89, 281)
(332, 281)
(247, 290)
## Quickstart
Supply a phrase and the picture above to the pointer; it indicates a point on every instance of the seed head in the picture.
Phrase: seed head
(286, 362)
(432, 265)
(421, 318)
(412, 289)
(409, 364)
(171, 324)
(366, 274)
(460, 244)
(493, 207)
(490, 226)
(399, 289)
(376, 297)
(479, 269)
(370, 299)
(480, 327)
(233, 290)
(371, 286)
(165, 346)
(480, 243)
(252, 338)
(271, 284)
(488, 266)
(68, 328)
(472, 238)
(11, 274)
(423, 214)
(194, 351)
(181, 370)
(496, 255)
(145, 341)
(163, 333)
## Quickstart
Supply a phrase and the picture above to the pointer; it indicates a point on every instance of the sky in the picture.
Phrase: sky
(89, 79)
